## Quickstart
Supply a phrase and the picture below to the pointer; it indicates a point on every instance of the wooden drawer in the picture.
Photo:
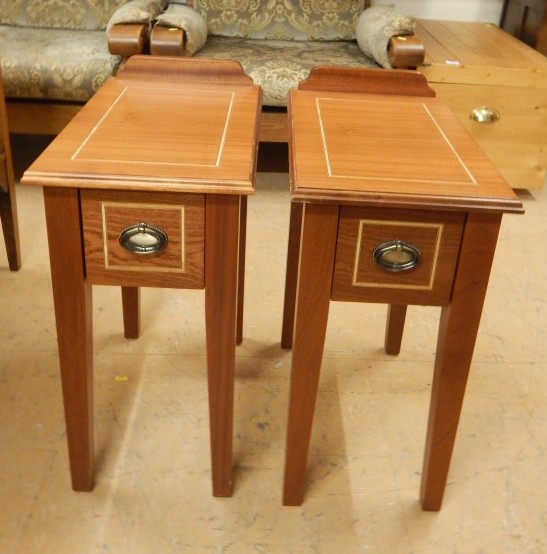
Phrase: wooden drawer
(106, 214)
(358, 277)
(516, 142)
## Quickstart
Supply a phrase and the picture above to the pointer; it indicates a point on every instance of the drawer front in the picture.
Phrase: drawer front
(516, 142)
(399, 240)
(180, 264)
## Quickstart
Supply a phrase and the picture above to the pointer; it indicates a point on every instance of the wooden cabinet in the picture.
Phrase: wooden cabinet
(526, 20)
(475, 65)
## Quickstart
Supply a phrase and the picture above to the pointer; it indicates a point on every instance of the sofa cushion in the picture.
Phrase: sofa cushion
(278, 66)
(137, 11)
(281, 19)
(54, 65)
(58, 14)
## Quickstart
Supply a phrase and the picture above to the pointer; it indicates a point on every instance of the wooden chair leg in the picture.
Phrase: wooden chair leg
(396, 315)
(10, 228)
(293, 253)
(131, 305)
(8, 205)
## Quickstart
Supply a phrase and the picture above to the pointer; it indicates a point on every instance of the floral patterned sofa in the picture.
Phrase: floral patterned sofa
(278, 42)
(55, 54)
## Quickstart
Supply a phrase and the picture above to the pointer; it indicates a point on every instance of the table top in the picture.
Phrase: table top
(464, 44)
(159, 135)
(392, 151)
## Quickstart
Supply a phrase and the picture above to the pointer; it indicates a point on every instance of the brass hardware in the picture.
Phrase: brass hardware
(143, 239)
(484, 114)
(396, 256)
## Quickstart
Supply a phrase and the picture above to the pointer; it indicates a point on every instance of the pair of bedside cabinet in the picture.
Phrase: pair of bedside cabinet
(392, 202)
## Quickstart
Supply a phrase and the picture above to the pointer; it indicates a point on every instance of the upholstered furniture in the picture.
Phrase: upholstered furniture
(8, 206)
(55, 55)
(278, 42)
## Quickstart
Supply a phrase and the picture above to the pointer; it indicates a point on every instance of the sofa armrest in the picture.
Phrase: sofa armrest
(129, 26)
(406, 52)
(128, 39)
(376, 26)
(179, 31)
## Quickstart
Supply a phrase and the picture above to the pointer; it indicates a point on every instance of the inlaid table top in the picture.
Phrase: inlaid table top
(389, 150)
(146, 134)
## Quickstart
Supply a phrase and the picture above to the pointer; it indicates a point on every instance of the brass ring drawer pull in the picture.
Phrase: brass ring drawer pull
(396, 255)
(484, 114)
(143, 239)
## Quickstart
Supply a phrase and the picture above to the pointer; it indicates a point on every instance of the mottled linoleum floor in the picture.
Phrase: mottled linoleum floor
(153, 492)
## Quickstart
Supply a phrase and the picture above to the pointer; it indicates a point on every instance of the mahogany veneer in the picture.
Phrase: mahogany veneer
(374, 158)
(172, 143)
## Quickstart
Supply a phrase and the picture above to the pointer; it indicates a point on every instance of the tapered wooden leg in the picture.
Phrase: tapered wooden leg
(457, 334)
(221, 286)
(10, 228)
(395, 325)
(72, 300)
(131, 305)
(241, 271)
(8, 205)
(293, 253)
(317, 249)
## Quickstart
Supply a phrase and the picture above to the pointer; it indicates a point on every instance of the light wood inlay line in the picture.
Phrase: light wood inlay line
(124, 267)
(215, 156)
(358, 250)
(451, 146)
(451, 154)
(99, 123)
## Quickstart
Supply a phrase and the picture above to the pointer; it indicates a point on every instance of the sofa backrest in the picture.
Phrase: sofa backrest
(58, 14)
(281, 19)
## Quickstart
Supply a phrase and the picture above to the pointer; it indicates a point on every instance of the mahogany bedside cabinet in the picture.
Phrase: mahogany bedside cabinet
(147, 186)
(392, 202)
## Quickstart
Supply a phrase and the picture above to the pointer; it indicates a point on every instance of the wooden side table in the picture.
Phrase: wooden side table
(8, 204)
(392, 202)
(147, 186)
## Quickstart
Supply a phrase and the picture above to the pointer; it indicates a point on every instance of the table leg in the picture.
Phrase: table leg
(456, 341)
(72, 300)
(241, 270)
(222, 215)
(131, 305)
(293, 253)
(396, 315)
(8, 205)
(317, 249)
(8, 214)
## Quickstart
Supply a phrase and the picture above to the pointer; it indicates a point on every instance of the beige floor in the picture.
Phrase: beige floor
(152, 492)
